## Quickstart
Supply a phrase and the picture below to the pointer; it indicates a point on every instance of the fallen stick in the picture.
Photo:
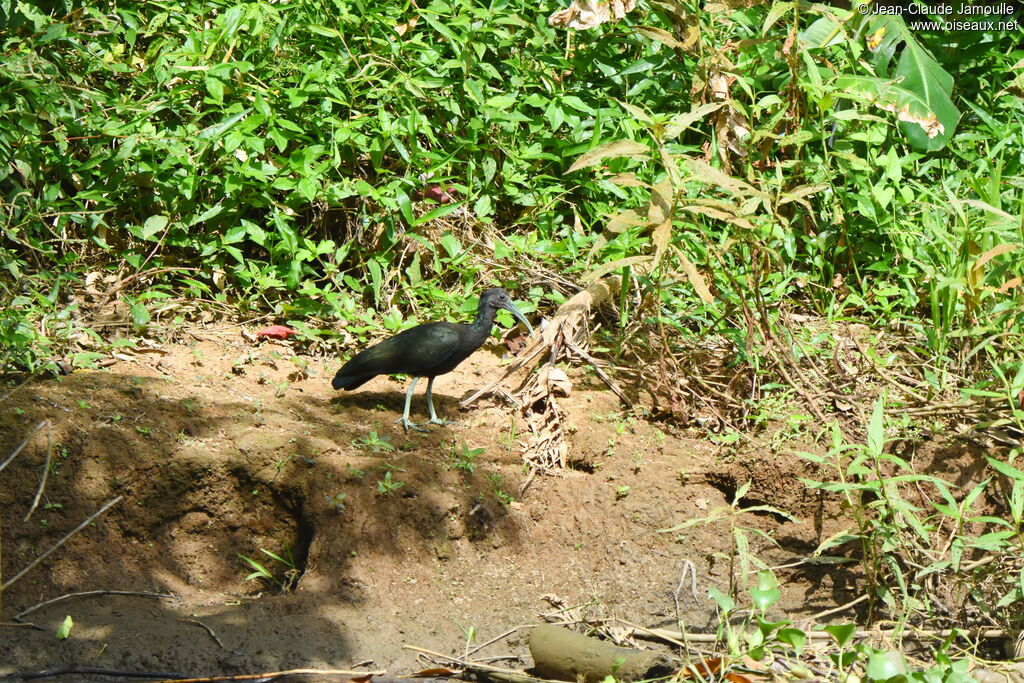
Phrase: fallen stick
(22, 445)
(492, 672)
(68, 596)
(495, 639)
(45, 474)
(674, 636)
(208, 630)
(565, 655)
(59, 543)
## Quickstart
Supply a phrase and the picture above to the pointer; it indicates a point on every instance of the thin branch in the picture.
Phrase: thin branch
(276, 674)
(83, 670)
(841, 608)
(138, 594)
(61, 542)
(45, 474)
(208, 630)
(22, 445)
(495, 639)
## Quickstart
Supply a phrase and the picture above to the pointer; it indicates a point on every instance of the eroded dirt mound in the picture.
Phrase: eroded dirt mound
(223, 449)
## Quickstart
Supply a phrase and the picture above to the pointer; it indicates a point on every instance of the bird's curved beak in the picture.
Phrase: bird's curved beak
(518, 315)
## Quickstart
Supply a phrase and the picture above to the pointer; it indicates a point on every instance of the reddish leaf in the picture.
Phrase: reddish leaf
(276, 332)
(439, 193)
(706, 668)
(736, 678)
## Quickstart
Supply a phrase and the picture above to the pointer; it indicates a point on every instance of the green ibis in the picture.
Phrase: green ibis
(427, 350)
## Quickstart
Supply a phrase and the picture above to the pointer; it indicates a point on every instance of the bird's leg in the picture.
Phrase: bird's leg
(434, 419)
(404, 420)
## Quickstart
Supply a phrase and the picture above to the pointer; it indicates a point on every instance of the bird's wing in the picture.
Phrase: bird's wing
(413, 352)
(427, 346)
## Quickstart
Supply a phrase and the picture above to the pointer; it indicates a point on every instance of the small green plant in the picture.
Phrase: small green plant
(740, 558)
(621, 491)
(353, 473)
(337, 501)
(469, 633)
(262, 573)
(499, 492)
(509, 439)
(280, 464)
(387, 485)
(464, 459)
(374, 443)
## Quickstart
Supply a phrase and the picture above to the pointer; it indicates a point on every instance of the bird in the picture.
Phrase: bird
(427, 350)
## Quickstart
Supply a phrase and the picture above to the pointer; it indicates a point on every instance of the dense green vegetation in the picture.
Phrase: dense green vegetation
(734, 164)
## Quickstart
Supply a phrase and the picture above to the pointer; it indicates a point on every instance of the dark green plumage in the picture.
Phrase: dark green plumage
(427, 350)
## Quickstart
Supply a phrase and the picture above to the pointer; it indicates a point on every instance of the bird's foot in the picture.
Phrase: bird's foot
(408, 424)
(441, 421)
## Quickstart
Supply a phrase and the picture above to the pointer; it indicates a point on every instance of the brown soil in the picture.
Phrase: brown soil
(222, 448)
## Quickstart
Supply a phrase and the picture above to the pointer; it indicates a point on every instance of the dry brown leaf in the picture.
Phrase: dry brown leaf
(660, 236)
(660, 208)
(997, 250)
(1010, 284)
(621, 222)
(696, 279)
(606, 268)
(929, 122)
(658, 34)
(627, 180)
(618, 148)
(402, 29)
(556, 380)
(584, 14)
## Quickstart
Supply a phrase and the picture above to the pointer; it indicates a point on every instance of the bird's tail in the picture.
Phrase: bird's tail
(349, 382)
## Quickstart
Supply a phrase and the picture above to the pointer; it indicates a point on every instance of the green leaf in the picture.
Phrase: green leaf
(724, 602)
(451, 245)
(793, 637)
(767, 592)
(211, 212)
(139, 315)
(925, 114)
(1003, 468)
(876, 429)
(236, 233)
(843, 633)
(482, 207)
(64, 630)
(882, 666)
(404, 206)
(153, 225)
(438, 212)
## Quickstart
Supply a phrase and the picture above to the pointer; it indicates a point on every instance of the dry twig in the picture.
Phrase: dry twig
(24, 443)
(46, 471)
(139, 594)
(59, 543)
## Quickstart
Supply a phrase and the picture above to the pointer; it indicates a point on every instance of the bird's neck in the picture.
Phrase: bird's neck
(482, 324)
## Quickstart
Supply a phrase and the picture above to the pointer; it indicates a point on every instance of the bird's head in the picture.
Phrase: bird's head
(493, 299)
